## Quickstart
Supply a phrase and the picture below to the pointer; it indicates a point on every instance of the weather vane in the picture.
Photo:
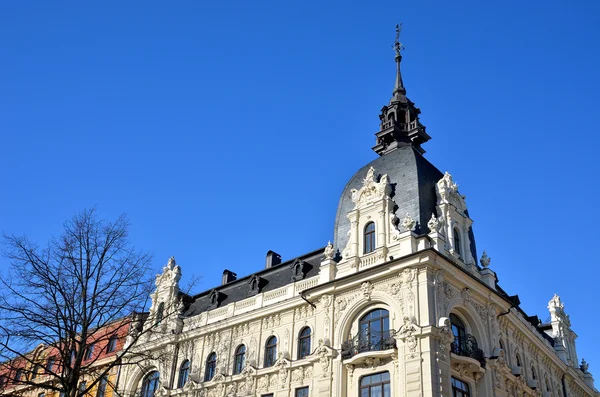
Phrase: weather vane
(397, 44)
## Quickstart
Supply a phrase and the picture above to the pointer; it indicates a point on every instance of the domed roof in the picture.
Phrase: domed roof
(413, 181)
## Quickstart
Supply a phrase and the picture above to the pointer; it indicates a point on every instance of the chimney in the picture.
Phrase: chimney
(273, 259)
(228, 276)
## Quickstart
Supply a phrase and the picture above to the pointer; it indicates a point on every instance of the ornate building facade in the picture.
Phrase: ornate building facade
(400, 304)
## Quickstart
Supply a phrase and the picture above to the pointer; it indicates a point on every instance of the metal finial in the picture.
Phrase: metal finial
(397, 44)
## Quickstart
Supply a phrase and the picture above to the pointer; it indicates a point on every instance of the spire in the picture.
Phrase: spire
(399, 90)
(399, 119)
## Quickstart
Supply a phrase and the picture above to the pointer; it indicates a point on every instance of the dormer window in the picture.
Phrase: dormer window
(298, 270)
(457, 243)
(256, 283)
(369, 238)
(215, 299)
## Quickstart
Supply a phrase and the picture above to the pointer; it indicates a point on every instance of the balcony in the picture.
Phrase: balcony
(373, 342)
(467, 347)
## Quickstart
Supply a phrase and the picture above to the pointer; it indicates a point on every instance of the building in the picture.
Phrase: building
(400, 304)
(32, 374)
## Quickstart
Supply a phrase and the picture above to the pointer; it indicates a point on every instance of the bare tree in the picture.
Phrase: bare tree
(65, 296)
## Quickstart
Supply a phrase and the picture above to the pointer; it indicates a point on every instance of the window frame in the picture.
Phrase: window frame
(239, 360)
(152, 378)
(50, 363)
(299, 391)
(457, 242)
(183, 376)
(101, 391)
(380, 384)
(81, 388)
(112, 344)
(270, 351)
(458, 392)
(369, 238)
(89, 352)
(304, 342)
(211, 367)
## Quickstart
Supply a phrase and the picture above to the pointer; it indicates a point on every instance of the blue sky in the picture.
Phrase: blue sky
(227, 129)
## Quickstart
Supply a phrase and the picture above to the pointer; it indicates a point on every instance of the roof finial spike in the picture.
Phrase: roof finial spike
(399, 89)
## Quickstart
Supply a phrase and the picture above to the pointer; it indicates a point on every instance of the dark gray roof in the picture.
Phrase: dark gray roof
(413, 180)
(272, 278)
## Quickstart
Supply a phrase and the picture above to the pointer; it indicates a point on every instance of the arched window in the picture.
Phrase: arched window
(150, 384)
(160, 313)
(501, 343)
(374, 331)
(376, 385)
(457, 243)
(533, 374)
(211, 366)
(304, 342)
(112, 344)
(240, 359)
(270, 351)
(460, 388)
(369, 238)
(459, 346)
(184, 372)
(547, 385)
(518, 359)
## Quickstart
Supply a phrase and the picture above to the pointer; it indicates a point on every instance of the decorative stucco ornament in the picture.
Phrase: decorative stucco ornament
(329, 251)
(434, 224)
(170, 276)
(408, 223)
(447, 192)
(485, 260)
(367, 289)
(371, 190)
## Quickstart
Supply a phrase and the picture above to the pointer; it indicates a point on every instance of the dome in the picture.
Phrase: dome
(413, 179)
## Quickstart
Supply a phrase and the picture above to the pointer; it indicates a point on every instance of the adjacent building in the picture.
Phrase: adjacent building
(30, 374)
(399, 304)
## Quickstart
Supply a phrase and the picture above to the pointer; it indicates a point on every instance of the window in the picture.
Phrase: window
(82, 387)
(533, 375)
(211, 367)
(369, 240)
(457, 243)
(518, 359)
(2, 382)
(377, 385)
(302, 392)
(270, 351)
(460, 388)
(460, 335)
(150, 384)
(89, 352)
(240, 359)
(18, 375)
(374, 330)
(42, 394)
(112, 344)
(159, 313)
(102, 387)
(184, 372)
(267, 395)
(304, 343)
(50, 364)
(34, 373)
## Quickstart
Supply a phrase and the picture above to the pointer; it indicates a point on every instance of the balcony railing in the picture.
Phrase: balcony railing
(467, 347)
(373, 341)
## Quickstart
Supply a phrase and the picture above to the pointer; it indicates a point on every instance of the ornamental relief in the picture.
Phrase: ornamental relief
(303, 312)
